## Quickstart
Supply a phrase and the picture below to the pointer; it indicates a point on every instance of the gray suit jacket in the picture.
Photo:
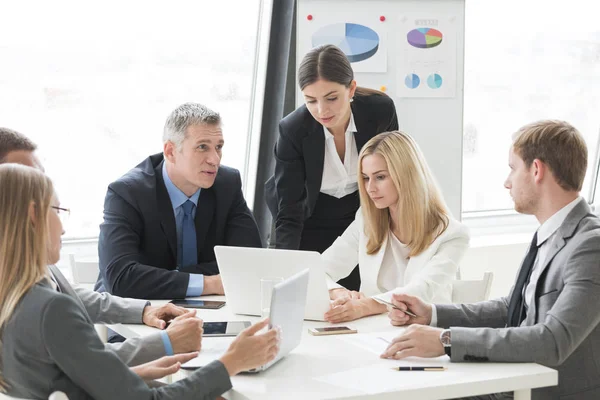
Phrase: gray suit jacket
(106, 309)
(561, 329)
(49, 344)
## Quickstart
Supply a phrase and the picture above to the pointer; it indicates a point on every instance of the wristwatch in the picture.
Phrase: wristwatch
(446, 339)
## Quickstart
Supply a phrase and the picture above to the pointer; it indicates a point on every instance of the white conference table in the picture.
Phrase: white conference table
(330, 367)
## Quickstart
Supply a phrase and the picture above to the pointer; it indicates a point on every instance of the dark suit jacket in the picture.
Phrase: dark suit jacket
(138, 239)
(293, 190)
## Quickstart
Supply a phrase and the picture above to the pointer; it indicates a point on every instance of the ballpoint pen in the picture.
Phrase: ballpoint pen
(393, 306)
(419, 368)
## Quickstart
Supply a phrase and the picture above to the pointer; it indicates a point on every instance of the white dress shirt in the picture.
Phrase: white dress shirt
(546, 233)
(339, 179)
(393, 266)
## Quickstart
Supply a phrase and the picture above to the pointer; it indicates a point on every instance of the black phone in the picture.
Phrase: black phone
(208, 304)
(231, 328)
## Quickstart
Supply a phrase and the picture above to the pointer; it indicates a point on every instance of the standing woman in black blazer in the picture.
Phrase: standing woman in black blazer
(313, 194)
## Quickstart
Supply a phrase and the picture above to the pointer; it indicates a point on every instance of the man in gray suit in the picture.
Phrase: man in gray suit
(183, 335)
(551, 315)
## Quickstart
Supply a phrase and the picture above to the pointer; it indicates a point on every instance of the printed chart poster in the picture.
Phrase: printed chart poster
(358, 32)
(426, 56)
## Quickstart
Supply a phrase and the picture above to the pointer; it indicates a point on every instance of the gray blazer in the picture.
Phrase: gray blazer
(107, 309)
(50, 344)
(561, 329)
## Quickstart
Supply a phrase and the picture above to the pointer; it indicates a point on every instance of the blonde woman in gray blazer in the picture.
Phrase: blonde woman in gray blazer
(47, 339)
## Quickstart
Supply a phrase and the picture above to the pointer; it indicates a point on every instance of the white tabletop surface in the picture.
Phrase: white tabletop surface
(330, 367)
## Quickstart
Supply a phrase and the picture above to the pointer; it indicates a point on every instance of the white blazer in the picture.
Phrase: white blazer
(428, 275)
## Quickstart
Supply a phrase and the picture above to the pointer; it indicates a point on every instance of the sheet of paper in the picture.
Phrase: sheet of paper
(426, 55)
(212, 349)
(367, 379)
(374, 342)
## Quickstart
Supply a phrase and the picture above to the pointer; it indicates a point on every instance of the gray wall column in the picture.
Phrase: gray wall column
(280, 76)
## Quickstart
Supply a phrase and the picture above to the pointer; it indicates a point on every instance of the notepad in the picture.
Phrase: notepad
(367, 379)
(374, 342)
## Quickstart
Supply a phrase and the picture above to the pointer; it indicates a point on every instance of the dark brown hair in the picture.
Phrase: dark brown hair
(13, 141)
(330, 63)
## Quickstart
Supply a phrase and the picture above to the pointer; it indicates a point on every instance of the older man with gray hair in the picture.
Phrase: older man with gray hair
(163, 218)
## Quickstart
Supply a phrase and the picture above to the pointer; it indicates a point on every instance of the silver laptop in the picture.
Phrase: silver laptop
(288, 303)
(242, 268)
(287, 312)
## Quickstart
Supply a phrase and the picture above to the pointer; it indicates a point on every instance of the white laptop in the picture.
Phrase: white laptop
(288, 304)
(242, 268)
(287, 312)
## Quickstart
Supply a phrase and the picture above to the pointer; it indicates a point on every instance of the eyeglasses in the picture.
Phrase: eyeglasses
(63, 214)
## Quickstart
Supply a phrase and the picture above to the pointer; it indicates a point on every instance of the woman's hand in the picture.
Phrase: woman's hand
(347, 309)
(250, 350)
(339, 293)
(162, 367)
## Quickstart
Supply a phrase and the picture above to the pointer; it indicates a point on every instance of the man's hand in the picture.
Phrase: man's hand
(339, 293)
(416, 341)
(413, 304)
(213, 285)
(162, 367)
(159, 316)
(185, 333)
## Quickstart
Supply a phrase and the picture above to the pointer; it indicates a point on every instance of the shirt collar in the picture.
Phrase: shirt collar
(552, 224)
(351, 128)
(175, 194)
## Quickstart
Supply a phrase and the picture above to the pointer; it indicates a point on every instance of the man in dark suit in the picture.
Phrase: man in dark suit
(163, 218)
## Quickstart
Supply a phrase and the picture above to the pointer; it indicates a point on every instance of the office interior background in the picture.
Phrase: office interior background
(92, 84)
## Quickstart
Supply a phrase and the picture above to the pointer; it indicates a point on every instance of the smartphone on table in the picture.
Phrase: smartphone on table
(206, 304)
(331, 330)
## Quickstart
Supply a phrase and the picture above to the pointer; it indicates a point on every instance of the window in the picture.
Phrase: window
(92, 85)
(525, 61)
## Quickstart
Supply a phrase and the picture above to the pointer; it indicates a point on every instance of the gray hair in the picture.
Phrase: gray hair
(184, 116)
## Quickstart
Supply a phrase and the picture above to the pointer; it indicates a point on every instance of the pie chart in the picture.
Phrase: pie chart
(434, 81)
(412, 81)
(424, 38)
(358, 42)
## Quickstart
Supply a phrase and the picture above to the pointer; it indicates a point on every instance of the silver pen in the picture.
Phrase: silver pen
(407, 312)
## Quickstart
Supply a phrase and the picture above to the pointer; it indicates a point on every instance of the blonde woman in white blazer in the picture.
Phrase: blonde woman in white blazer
(403, 237)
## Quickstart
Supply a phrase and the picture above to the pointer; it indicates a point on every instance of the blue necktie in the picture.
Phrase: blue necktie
(189, 246)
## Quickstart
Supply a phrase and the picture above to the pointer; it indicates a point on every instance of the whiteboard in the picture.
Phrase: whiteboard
(436, 123)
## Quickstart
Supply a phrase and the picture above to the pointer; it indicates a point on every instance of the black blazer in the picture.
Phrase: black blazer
(292, 192)
(138, 239)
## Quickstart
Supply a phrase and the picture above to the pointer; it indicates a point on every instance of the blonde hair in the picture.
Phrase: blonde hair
(422, 212)
(23, 244)
(557, 144)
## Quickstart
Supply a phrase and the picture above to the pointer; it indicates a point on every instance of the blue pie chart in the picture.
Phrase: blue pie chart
(434, 81)
(412, 81)
(358, 42)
